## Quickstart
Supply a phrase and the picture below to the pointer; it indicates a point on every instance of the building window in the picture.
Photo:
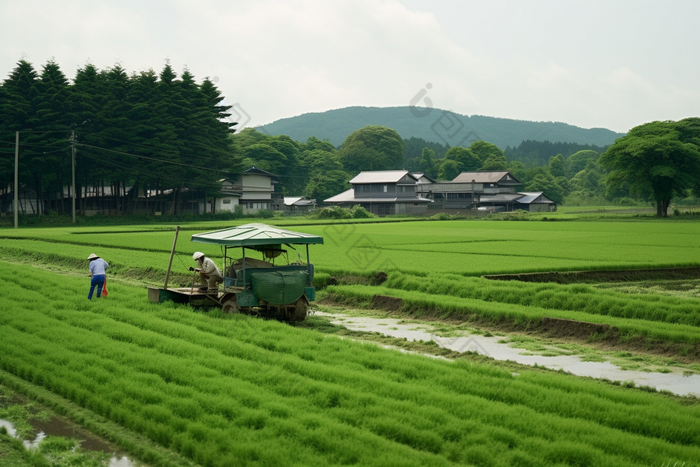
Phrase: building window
(257, 205)
(227, 201)
(384, 188)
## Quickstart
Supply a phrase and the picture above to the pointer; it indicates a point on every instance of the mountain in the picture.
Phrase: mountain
(436, 125)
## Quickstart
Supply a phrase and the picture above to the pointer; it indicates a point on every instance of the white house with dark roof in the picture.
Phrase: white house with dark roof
(298, 204)
(253, 190)
(383, 192)
(492, 189)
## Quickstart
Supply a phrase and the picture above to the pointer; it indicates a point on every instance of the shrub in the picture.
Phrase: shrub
(264, 214)
(627, 202)
(335, 212)
(358, 212)
(518, 215)
(442, 216)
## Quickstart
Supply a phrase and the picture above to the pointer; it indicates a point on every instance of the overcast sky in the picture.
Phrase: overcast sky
(612, 64)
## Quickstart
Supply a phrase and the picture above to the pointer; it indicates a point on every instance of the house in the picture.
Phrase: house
(492, 181)
(27, 199)
(464, 192)
(298, 204)
(495, 190)
(527, 201)
(253, 190)
(383, 192)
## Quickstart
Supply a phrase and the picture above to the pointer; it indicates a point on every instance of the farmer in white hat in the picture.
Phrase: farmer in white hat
(209, 274)
(98, 268)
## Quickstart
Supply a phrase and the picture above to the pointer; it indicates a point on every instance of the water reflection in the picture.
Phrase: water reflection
(489, 346)
(58, 427)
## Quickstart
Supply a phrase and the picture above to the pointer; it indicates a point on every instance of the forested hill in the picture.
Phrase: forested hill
(435, 125)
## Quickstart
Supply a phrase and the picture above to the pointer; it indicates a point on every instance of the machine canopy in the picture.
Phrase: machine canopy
(251, 235)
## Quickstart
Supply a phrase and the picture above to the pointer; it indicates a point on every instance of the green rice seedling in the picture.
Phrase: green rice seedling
(194, 383)
(556, 296)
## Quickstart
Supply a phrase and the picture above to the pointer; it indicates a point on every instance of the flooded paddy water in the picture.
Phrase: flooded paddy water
(59, 427)
(674, 381)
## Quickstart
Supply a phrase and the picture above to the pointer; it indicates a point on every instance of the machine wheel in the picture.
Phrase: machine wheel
(300, 308)
(231, 306)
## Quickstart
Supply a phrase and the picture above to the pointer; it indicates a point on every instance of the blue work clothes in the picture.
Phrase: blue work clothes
(98, 281)
(98, 267)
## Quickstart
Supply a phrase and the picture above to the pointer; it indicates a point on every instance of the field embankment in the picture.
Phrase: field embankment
(627, 275)
(661, 324)
(192, 383)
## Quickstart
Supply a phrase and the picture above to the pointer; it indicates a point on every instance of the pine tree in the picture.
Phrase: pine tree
(51, 163)
(18, 113)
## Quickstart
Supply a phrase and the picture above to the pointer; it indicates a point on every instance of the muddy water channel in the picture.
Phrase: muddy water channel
(676, 383)
(88, 441)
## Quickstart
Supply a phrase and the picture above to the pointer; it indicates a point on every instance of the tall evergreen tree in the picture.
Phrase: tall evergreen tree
(18, 113)
(51, 163)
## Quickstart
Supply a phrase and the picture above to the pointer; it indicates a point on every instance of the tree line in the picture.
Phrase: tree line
(158, 133)
(148, 131)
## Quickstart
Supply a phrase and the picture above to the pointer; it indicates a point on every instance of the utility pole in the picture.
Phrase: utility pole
(15, 208)
(72, 151)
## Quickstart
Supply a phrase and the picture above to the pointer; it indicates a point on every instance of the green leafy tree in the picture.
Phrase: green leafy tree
(589, 181)
(290, 148)
(319, 173)
(557, 166)
(483, 150)
(323, 185)
(313, 144)
(372, 148)
(264, 156)
(426, 164)
(517, 168)
(465, 158)
(577, 161)
(548, 185)
(661, 158)
(414, 149)
(448, 170)
(495, 162)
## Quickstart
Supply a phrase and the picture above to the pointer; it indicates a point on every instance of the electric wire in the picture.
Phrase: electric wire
(191, 166)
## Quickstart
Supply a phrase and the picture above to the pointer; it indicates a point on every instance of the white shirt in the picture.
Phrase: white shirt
(209, 268)
(98, 267)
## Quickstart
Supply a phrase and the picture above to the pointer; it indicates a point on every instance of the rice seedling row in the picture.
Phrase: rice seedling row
(249, 391)
(577, 297)
(425, 247)
(456, 307)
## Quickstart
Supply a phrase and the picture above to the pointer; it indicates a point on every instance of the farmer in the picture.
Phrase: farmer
(209, 274)
(98, 266)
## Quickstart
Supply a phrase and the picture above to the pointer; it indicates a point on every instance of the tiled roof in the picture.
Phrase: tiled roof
(532, 196)
(501, 198)
(380, 176)
(484, 177)
(349, 197)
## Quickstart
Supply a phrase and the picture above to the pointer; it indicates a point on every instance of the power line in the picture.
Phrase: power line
(35, 131)
(25, 153)
(152, 158)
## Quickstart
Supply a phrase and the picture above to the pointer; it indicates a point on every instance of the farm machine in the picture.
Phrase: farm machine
(269, 285)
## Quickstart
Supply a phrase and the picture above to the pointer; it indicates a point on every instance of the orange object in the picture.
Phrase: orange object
(104, 288)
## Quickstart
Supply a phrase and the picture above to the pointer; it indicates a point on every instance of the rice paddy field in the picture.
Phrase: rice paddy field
(176, 386)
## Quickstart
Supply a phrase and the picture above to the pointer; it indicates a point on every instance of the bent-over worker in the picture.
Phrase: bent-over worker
(209, 274)
(98, 268)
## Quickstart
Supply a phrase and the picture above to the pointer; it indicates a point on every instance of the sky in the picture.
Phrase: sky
(609, 64)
